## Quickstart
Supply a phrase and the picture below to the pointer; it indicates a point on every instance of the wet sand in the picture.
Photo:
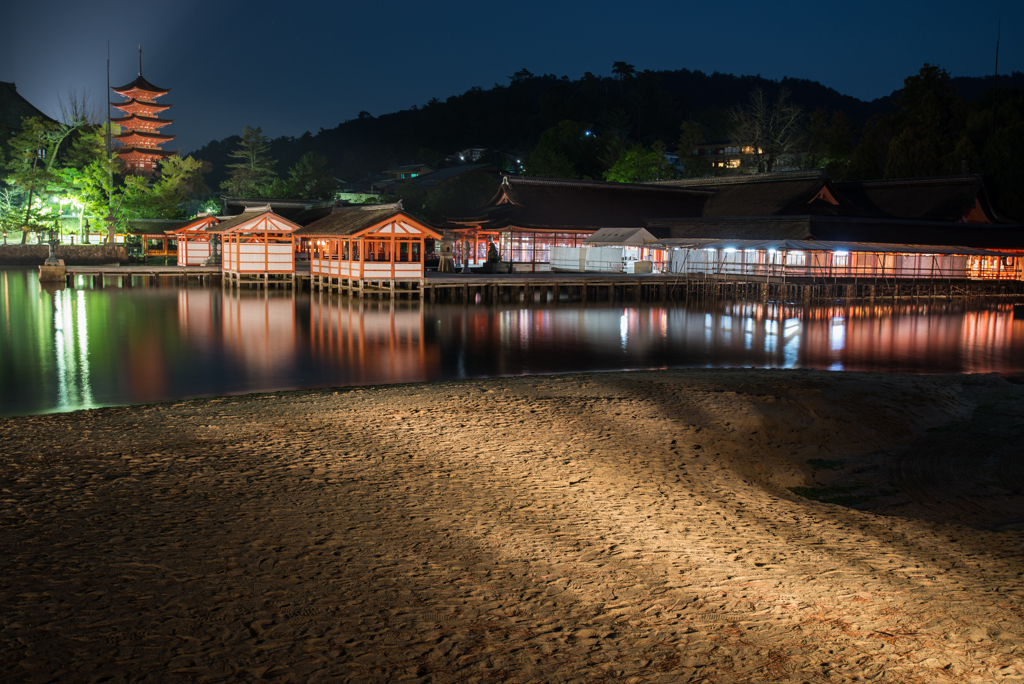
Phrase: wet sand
(674, 526)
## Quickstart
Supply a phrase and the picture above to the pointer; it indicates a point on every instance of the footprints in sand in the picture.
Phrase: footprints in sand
(631, 527)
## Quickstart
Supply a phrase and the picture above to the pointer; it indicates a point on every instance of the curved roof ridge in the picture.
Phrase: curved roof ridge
(801, 174)
(917, 180)
(142, 84)
(513, 181)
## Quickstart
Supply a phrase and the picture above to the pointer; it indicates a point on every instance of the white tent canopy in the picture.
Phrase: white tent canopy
(634, 237)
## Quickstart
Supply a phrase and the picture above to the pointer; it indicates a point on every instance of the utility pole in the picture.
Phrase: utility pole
(995, 77)
(110, 166)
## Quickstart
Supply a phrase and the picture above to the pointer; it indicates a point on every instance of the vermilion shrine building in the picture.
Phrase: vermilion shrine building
(376, 248)
(140, 135)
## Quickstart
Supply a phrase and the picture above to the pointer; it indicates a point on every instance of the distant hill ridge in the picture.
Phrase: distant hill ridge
(648, 106)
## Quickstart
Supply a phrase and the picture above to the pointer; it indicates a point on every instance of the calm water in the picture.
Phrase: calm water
(76, 348)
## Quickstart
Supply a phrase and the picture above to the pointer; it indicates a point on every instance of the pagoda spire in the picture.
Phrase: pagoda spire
(140, 142)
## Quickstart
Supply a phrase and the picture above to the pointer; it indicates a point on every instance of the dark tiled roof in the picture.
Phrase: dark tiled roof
(232, 221)
(408, 167)
(289, 208)
(154, 151)
(144, 134)
(350, 221)
(14, 108)
(842, 228)
(772, 194)
(155, 226)
(761, 228)
(153, 105)
(307, 216)
(139, 117)
(545, 203)
(428, 179)
(141, 84)
(929, 199)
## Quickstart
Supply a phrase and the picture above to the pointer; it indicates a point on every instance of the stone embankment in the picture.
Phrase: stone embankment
(678, 526)
(73, 255)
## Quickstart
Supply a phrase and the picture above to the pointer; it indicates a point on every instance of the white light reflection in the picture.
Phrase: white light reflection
(791, 335)
(71, 351)
(771, 341)
(83, 350)
(58, 349)
(837, 336)
(624, 330)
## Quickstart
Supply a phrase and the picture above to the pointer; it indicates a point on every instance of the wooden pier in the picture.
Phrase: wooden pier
(583, 288)
(576, 287)
(124, 274)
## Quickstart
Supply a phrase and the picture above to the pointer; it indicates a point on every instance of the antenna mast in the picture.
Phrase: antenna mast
(108, 101)
(995, 77)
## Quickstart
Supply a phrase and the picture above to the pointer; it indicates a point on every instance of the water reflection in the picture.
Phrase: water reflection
(63, 349)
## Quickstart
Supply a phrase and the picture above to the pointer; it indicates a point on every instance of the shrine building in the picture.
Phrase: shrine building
(140, 137)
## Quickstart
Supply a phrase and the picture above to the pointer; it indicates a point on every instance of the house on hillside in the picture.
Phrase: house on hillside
(397, 176)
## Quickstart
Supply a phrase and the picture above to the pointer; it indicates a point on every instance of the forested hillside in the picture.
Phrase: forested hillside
(935, 125)
(648, 105)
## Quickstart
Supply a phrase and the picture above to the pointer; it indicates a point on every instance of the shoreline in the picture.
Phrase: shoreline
(1013, 377)
(637, 525)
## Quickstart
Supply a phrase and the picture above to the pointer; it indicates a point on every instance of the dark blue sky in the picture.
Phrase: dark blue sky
(292, 67)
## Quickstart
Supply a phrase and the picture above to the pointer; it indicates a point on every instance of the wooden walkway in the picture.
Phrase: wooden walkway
(125, 273)
(580, 287)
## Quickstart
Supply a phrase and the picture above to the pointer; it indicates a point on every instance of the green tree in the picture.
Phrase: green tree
(253, 173)
(623, 72)
(931, 120)
(413, 197)
(33, 170)
(690, 135)
(640, 165)
(769, 131)
(1003, 168)
(568, 150)
(829, 142)
(458, 196)
(311, 177)
(164, 196)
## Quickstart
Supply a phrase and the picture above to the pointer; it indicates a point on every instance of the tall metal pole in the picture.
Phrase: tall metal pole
(110, 166)
(995, 78)
(108, 101)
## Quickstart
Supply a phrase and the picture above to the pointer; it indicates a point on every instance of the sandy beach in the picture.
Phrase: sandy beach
(722, 526)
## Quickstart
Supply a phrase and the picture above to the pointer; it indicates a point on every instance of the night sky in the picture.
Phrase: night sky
(293, 67)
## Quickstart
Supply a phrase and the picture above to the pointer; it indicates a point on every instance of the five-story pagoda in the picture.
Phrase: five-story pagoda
(139, 129)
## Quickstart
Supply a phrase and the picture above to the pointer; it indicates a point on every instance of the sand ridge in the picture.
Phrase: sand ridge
(617, 526)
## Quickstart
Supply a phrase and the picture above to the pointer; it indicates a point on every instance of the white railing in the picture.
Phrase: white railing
(829, 264)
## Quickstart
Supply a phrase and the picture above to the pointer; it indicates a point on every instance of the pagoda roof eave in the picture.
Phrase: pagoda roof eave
(151, 119)
(142, 85)
(124, 106)
(146, 151)
(145, 135)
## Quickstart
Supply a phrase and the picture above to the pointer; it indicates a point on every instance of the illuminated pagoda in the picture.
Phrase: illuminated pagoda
(139, 129)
